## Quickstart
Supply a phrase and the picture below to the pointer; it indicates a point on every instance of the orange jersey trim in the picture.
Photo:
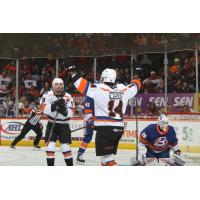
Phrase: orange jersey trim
(87, 111)
(84, 145)
(137, 82)
(82, 85)
(50, 153)
(67, 154)
(43, 107)
(142, 140)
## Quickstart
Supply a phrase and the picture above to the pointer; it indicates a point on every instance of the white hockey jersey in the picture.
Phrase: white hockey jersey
(46, 102)
(109, 102)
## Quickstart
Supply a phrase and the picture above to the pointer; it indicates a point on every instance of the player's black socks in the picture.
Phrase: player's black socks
(69, 162)
(50, 158)
(50, 161)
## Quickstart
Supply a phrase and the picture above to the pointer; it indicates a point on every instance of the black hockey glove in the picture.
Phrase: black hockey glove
(57, 104)
(63, 110)
(72, 72)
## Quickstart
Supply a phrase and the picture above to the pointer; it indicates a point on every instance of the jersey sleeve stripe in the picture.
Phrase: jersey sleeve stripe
(43, 107)
(82, 86)
(104, 89)
(142, 140)
(137, 82)
(88, 111)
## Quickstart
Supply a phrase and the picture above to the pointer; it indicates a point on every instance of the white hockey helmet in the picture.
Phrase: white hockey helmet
(108, 76)
(163, 122)
(57, 80)
(58, 85)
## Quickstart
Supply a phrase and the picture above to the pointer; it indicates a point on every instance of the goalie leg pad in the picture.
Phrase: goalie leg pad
(166, 162)
(178, 160)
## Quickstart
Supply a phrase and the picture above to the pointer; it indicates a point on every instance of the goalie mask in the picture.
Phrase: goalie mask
(108, 76)
(58, 86)
(163, 122)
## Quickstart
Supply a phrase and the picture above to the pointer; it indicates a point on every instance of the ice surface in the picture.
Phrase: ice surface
(26, 156)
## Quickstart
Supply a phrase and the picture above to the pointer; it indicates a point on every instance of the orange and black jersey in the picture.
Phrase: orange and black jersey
(110, 102)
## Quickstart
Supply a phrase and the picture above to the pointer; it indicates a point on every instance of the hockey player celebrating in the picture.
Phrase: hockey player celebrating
(156, 141)
(89, 128)
(59, 107)
(110, 101)
(33, 123)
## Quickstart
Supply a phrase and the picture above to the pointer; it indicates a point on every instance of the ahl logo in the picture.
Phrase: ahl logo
(161, 142)
(13, 128)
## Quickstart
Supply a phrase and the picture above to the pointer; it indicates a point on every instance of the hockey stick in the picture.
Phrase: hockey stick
(51, 132)
(78, 129)
(136, 130)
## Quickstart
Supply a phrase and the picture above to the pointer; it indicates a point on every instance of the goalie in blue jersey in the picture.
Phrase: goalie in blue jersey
(156, 141)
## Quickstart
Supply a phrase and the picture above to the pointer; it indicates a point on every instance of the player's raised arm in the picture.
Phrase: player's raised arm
(80, 83)
(133, 88)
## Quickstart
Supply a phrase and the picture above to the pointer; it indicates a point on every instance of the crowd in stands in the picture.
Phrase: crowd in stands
(36, 74)
(82, 44)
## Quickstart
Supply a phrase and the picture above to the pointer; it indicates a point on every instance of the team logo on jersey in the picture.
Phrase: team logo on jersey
(115, 95)
(161, 142)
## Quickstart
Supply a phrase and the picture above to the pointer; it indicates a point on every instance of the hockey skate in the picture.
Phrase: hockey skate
(80, 159)
(36, 147)
(12, 147)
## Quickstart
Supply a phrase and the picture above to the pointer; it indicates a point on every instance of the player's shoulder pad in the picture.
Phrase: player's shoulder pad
(49, 93)
(121, 86)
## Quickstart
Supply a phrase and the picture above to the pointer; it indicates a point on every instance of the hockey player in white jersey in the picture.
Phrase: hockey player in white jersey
(59, 108)
(156, 141)
(110, 102)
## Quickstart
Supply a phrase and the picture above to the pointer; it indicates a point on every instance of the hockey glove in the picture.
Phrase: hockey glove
(72, 71)
(90, 123)
(56, 104)
(137, 82)
(63, 110)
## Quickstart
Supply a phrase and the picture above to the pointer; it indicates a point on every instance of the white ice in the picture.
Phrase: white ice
(26, 156)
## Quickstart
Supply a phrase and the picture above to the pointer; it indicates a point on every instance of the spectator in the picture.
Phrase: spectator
(163, 40)
(29, 82)
(11, 111)
(145, 65)
(154, 41)
(152, 83)
(5, 82)
(45, 89)
(143, 40)
(26, 110)
(152, 110)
